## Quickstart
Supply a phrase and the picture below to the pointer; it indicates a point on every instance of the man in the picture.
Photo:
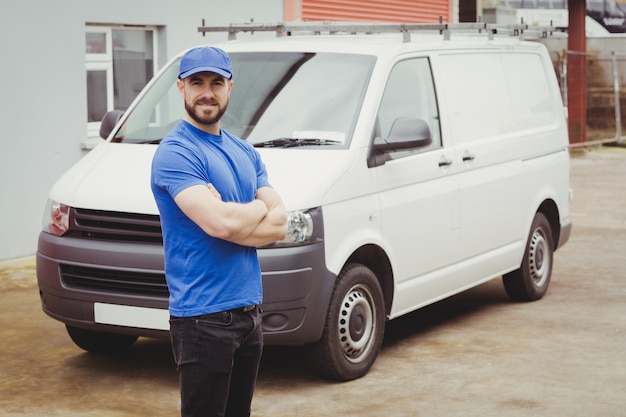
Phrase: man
(216, 206)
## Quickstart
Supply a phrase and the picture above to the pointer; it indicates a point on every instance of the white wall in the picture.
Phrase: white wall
(43, 88)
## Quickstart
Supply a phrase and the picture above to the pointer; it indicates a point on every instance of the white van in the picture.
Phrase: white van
(414, 167)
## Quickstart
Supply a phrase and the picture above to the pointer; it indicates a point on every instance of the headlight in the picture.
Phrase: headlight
(56, 218)
(299, 227)
(303, 227)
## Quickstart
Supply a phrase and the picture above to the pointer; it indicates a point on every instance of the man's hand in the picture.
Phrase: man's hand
(273, 227)
(224, 220)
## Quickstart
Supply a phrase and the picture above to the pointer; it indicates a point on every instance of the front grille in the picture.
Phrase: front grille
(111, 225)
(114, 281)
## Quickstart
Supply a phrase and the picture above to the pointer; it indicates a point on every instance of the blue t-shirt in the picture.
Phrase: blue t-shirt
(206, 274)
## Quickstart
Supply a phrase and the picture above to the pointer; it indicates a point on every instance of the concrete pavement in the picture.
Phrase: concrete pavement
(476, 354)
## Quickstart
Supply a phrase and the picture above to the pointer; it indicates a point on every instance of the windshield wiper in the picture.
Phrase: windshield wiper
(293, 142)
(150, 141)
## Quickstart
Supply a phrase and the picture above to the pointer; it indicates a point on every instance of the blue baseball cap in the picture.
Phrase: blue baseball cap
(203, 59)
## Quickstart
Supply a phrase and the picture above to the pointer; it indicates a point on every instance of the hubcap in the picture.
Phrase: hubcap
(358, 320)
(538, 263)
(356, 323)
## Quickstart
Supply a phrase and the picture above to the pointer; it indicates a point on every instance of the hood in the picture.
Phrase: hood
(112, 177)
(116, 177)
(303, 176)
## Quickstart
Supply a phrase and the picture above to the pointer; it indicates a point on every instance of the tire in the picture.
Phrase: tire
(354, 328)
(100, 342)
(530, 282)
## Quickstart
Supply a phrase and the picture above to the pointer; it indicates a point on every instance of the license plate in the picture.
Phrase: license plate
(131, 316)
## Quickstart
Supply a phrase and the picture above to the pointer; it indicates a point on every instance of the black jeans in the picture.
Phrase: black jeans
(217, 357)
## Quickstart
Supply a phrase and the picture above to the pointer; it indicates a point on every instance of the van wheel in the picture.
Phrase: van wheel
(530, 282)
(100, 342)
(354, 327)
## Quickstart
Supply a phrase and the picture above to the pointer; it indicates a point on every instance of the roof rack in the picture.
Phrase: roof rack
(287, 29)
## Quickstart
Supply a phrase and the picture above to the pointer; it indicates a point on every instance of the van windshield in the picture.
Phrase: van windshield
(280, 99)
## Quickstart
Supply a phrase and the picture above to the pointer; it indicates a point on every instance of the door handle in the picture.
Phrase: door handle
(468, 156)
(444, 162)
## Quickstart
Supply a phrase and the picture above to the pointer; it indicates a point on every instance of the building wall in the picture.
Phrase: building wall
(400, 11)
(43, 88)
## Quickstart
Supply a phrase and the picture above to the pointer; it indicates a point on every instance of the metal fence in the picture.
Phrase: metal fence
(606, 94)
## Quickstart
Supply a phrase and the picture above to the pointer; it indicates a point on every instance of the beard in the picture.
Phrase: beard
(208, 117)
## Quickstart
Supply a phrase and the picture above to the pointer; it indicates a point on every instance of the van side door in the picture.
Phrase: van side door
(417, 188)
(501, 117)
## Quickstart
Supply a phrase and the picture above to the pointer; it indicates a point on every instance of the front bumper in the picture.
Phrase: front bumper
(74, 275)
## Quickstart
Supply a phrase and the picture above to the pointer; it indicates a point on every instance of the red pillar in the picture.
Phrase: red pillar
(577, 72)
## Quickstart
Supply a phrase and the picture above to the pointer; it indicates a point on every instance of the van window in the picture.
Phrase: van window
(410, 93)
(297, 95)
(277, 96)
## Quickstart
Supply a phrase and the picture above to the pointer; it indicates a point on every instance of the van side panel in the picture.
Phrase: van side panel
(506, 116)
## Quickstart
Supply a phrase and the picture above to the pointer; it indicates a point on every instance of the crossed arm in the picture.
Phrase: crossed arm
(260, 222)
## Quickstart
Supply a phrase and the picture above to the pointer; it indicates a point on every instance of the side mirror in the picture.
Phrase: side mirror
(406, 134)
(109, 120)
